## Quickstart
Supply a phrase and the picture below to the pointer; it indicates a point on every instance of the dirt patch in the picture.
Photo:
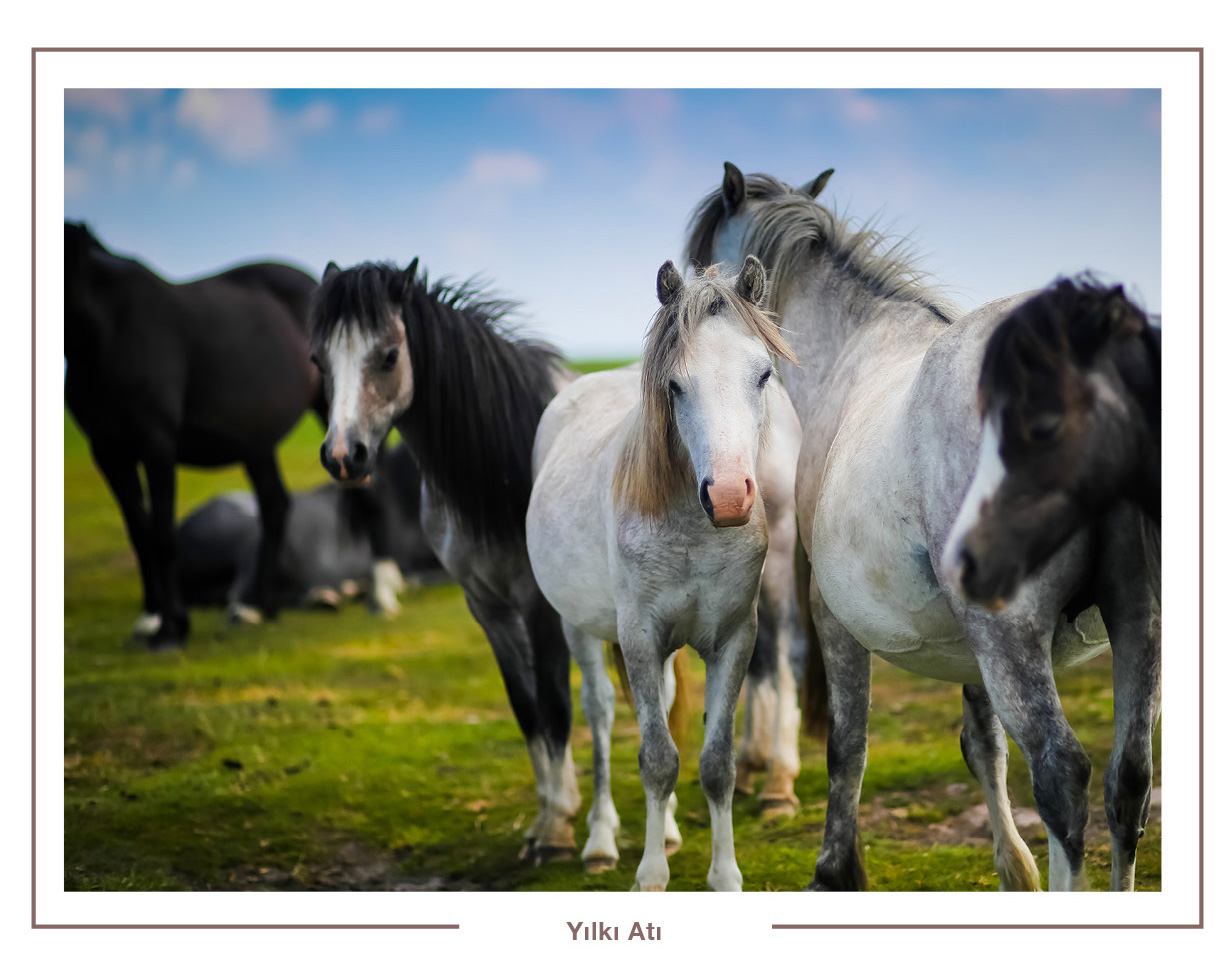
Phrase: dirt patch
(915, 817)
(355, 868)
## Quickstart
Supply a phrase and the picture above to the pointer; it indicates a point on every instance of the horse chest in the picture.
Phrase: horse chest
(692, 579)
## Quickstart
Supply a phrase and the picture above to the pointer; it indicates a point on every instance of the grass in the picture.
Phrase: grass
(347, 752)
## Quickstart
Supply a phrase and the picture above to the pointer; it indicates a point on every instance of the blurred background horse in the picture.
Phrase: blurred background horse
(327, 554)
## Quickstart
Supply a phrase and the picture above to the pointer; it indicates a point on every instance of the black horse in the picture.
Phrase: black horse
(206, 373)
(327, 551)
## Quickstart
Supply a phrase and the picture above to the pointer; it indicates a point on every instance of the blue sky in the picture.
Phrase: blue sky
(568, 200)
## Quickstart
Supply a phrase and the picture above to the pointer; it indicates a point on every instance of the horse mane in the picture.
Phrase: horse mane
(653, 467)
(1071, 319)
(795, 231)
(480, 387)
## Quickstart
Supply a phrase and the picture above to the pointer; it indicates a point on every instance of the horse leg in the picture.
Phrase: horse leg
(598, 704)
(778, 792)
(1019, 681)
(986, 753)
(511, 645)
(274, 504)
(1130, 602)
(672, 839)
(160, 475)
(554, 699)
(722, 684)
(759, 706)
(375, 504)
(657, 758)
(121, 476)
(848, 671)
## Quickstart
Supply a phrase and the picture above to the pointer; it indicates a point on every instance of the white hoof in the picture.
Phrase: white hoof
(240, 614)
(146, 625)
(387, 584)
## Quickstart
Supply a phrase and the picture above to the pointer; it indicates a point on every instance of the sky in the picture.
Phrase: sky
(568, 200)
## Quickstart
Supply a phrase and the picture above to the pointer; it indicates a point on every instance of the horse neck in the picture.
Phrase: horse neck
(822, 309)
(477, 402)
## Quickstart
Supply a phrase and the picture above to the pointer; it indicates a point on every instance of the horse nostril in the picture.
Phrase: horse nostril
(706, 503)
(358, 454)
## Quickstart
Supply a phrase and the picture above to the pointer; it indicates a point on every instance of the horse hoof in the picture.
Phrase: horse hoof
(547, 854)
(323, 597)
(743, 780)
(779, 807)
(240, 614)
(599, 863)
(638, 887)
(145, 627)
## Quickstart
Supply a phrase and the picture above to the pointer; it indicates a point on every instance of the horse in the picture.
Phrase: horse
(206, 373)
(886, 394)
(1070, 397)
(440, 363)
(327, 553)
(646, 528)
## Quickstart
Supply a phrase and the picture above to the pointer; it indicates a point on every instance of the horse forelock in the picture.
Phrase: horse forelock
(1053, 334)
(356, 297)
(653, 465)
(790, 231)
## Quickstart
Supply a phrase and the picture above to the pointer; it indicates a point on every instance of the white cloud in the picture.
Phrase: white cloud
(117, 104)
(504, 170)
(243, 125)
(377, 119)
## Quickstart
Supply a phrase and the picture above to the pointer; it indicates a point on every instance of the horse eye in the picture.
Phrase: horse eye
(674, 388)
(1044, 428)
(391, 359)
(764, 378)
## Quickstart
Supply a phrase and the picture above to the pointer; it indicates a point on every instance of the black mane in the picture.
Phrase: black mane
(479, 390)
(1071, 319)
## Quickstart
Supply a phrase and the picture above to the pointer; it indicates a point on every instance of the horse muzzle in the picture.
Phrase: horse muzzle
(728, 500)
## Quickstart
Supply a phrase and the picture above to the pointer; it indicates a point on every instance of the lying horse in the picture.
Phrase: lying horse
(207, 373)
(886, 394)
(327, 551)
(1070, 395)
(646, 528)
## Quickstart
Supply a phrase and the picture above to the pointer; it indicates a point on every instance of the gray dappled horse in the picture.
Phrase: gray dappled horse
(886, 393)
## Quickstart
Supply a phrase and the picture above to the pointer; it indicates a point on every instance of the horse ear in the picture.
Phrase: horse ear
(751, 283)
(669, 283)
(403, 283)
(733, 190)
(813, 189)
(1121, 319)
(331, 269)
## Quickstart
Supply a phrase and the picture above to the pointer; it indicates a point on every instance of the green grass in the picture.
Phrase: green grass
(343, 751)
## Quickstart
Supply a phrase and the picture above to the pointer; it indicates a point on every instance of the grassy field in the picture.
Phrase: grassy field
(341, 751)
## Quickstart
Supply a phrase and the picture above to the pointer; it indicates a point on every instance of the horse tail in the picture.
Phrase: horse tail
(814, 693)
(679, 717)
(616, 655)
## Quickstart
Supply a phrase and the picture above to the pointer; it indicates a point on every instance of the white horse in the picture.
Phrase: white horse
(885, 392)
(646, 528)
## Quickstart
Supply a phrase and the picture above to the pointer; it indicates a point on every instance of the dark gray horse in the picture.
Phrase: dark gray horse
(327, 552)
